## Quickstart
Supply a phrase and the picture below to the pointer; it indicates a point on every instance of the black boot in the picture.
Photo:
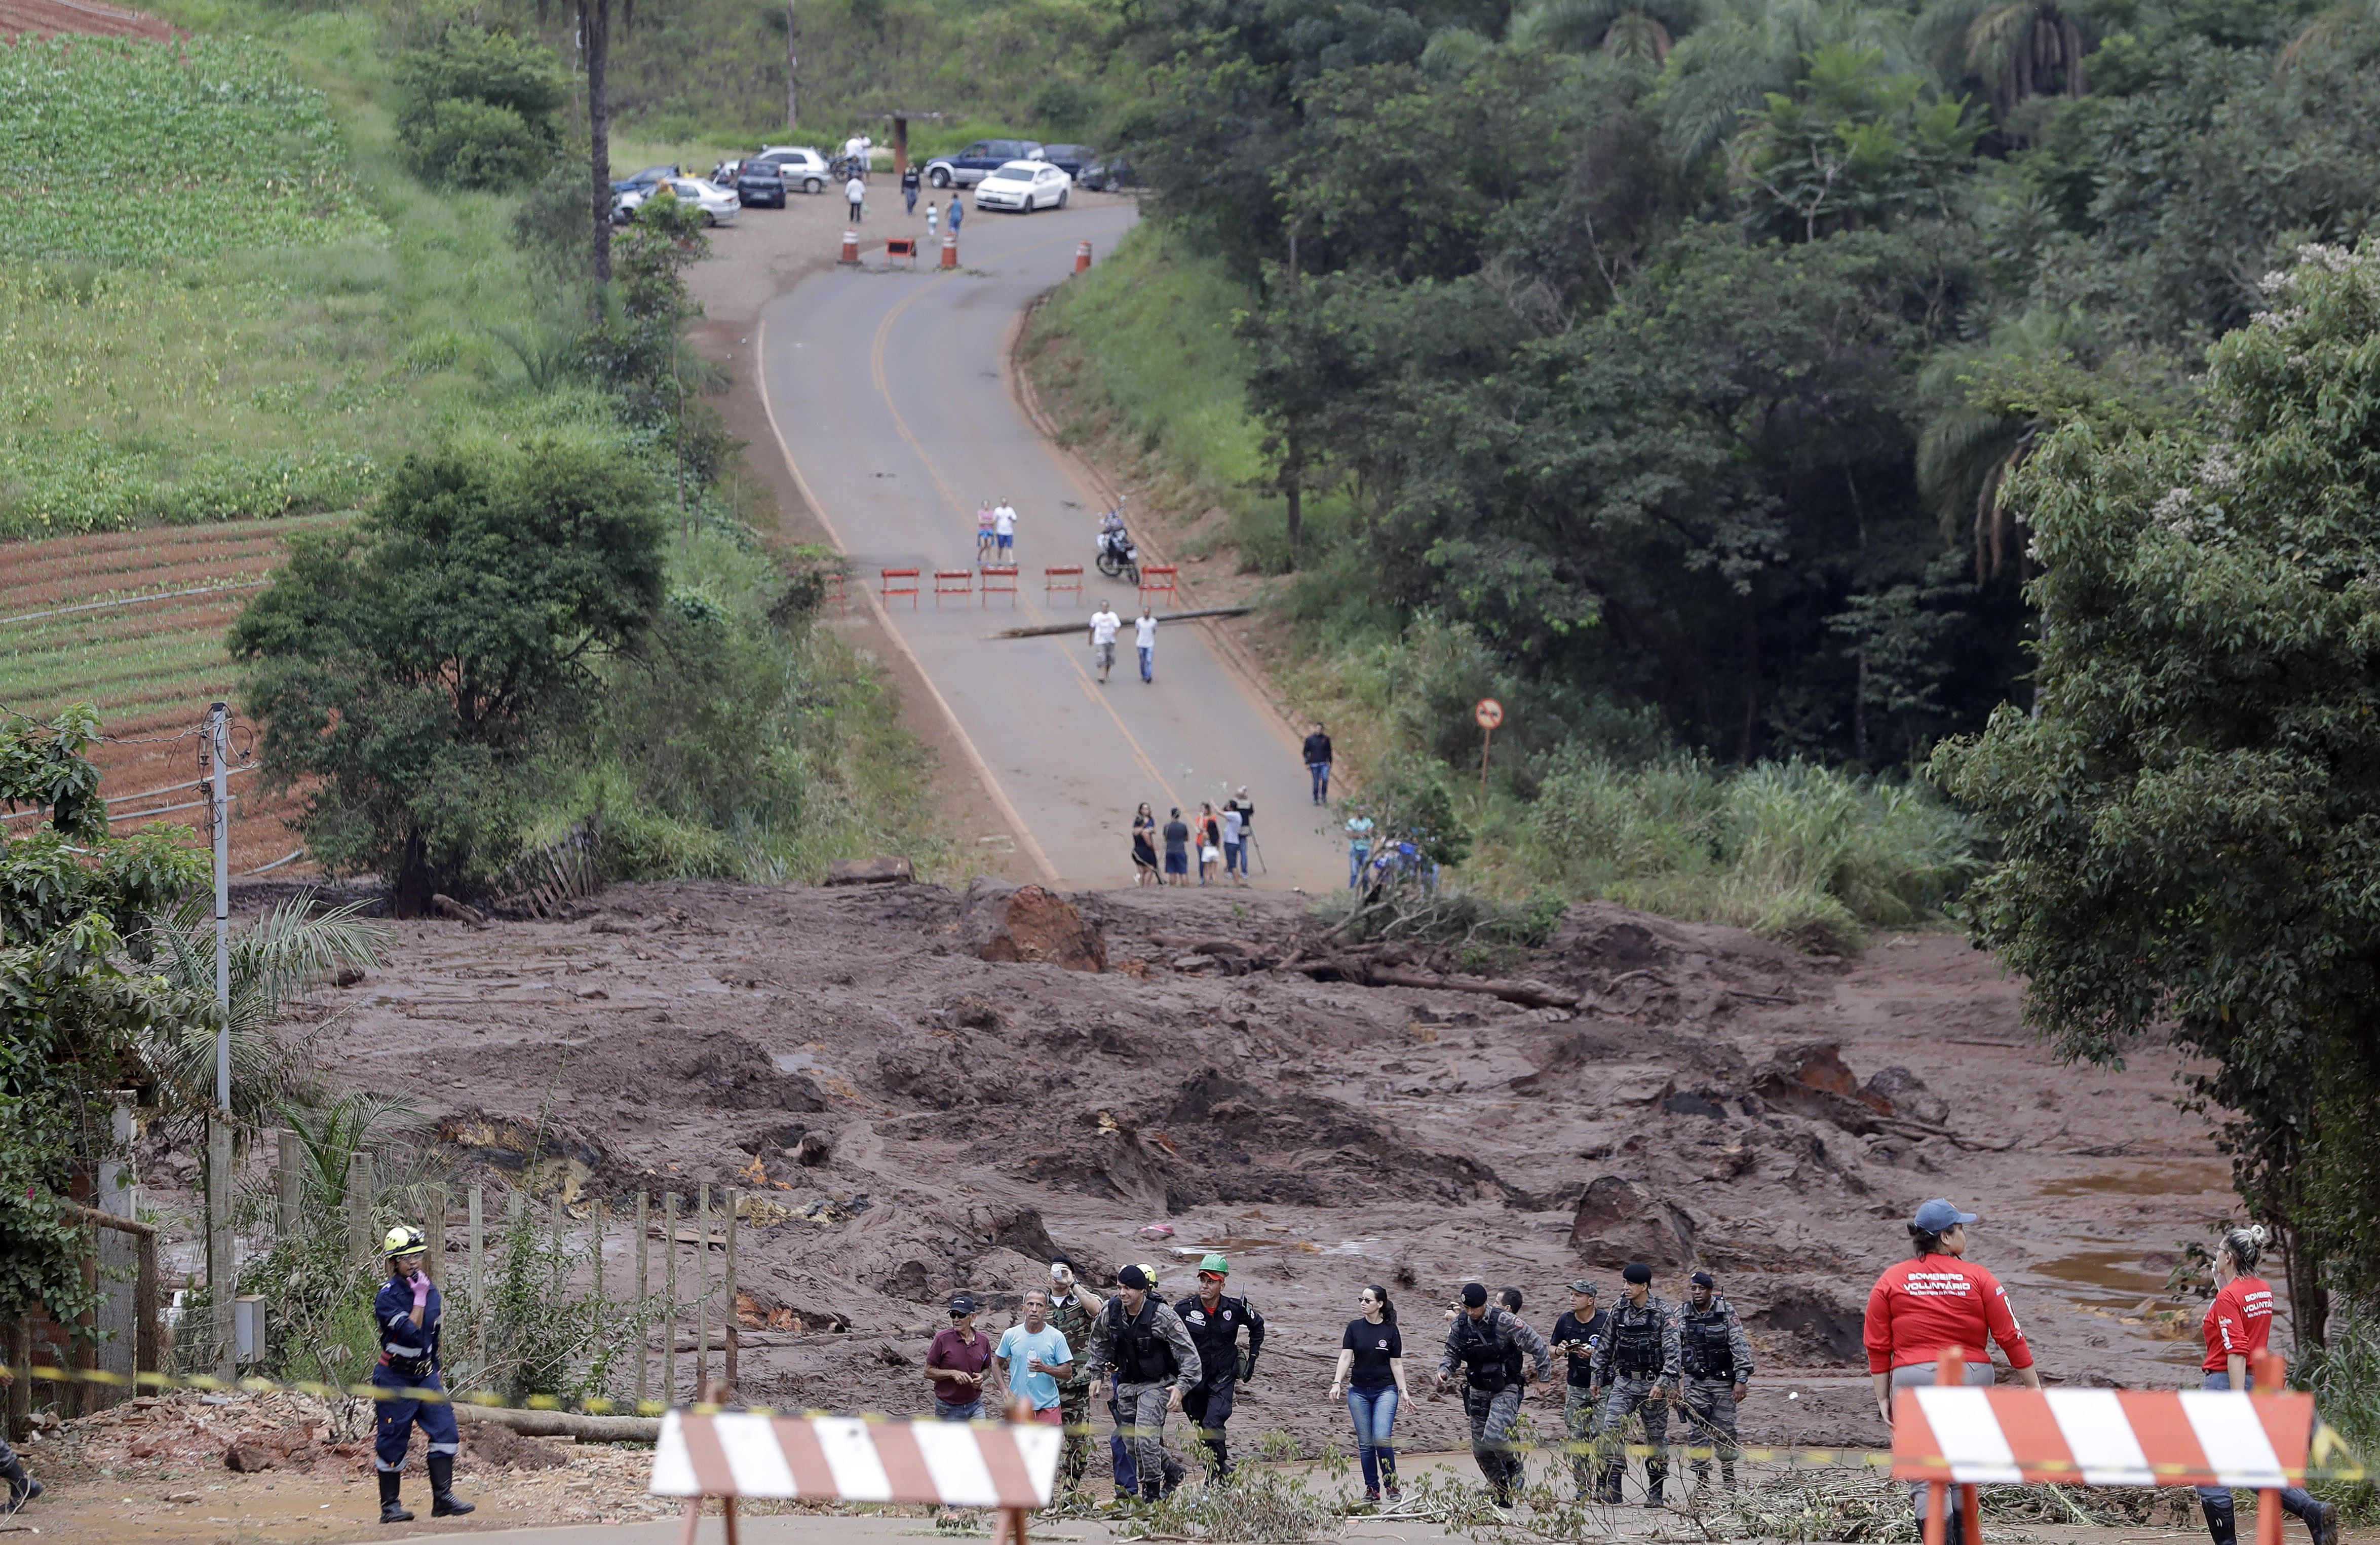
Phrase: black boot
(1653, 1490)
(1220, 1465)
(1151, 1493)
(1608, 1482)
(443, 1502)
(2221, 1522)
(2322, 1518)
(22, 1487)
(391, 1510)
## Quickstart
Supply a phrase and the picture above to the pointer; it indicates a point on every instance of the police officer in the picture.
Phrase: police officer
(1151, 1364)
(1637, 1365)
(1578, 1333)
(1482, 1341)
(408, 1311)
(1214, 1322)
(1073, 1306)
(1716, 1361)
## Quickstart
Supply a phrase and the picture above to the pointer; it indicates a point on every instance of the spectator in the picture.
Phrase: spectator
(1359, 847)
(1144, 636)
(1144, 848)
(933, 219)
(983, 539)
(1235, 863)
(955, 1364)
(1317, 763)
(1177, 850)
(1032, 1357)
(1247, 809)
(855, 193)
(1104, 623)
(958, 207)
(1003, 529)
(1210, 840)
(909, 188)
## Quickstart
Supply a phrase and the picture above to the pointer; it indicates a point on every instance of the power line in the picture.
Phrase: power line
(134, 600)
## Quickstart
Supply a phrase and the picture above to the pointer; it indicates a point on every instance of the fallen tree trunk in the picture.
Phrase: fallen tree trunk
(1049, 630)
(1529, 995)
(563, 1424)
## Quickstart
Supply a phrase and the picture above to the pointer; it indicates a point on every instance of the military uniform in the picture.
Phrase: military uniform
(1578, 1391)
(1637, 1365)
(1217, 1334)
(1714, 1356)
(1491, 1393)
(1150, 1355)
(1071, 1317)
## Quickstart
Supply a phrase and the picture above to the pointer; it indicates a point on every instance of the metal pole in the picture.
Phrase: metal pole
(734, 1314)
(220, 1269)
(702, 1293)
(644, 1226)
(669, 1291)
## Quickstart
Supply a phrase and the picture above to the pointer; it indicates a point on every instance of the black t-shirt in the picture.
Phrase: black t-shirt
(1372, 1345)
(1318, 749)
(1586, 1332)
(1177, 836)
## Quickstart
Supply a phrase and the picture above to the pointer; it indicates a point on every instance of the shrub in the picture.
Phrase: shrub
(478, 110)
(460, 143)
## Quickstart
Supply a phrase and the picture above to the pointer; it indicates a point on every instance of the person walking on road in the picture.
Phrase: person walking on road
(1579, 1333)
(1359, 847)
(1482, 1341)
(1177, 849)
(1715, 1358)
(958, 207)
(909, 187)
(1935, 1299)
(1637, 1367)
(933, 219)
(855, 193)
(983, 537)
(1104, 625)
(1033, 1357)
(1371, 1374)
(1214, 1322)
(408, 1311)
(1209, 834)
(1317, 763)
(2238, 1328)
(1141, 1348)
(1144, 639)
(1144, 847)
(955, 1364)
(1003, 530)
(1235, 847)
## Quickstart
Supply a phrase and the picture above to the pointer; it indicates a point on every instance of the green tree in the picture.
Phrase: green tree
(477, 109)
(2191, 822)
(406, 668)
(1851, 147)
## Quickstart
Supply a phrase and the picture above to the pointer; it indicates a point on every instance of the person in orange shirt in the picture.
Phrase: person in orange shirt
(1933, 1300)
(2237, 1327)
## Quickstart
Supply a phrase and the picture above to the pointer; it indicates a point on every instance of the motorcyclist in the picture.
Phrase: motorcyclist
(1114, 542)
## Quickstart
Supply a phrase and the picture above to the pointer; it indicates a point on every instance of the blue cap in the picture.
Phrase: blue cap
(1936, 1215)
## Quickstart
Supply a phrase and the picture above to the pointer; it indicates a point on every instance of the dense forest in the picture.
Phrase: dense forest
(1683, 351)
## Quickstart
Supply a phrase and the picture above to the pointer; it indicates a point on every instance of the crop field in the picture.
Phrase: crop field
(108, 620)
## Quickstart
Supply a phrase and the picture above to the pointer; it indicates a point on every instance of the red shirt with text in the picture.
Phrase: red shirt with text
(1919, 1306)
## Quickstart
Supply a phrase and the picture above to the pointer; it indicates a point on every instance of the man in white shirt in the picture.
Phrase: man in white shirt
(1144, 638)
(1104, 623)
(856, 191)
(1003, 530)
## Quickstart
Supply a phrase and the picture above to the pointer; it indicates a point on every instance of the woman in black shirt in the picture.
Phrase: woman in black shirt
(1144, 847)
(1371, 1375)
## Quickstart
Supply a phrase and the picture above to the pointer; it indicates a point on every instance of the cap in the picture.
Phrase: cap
(1636, 1271)
(1133, 1276)
(1474, 1295)
(404, 1241)
(1581, 1284)
(1217, 1262)
(1936, 1215)
(962, 1304)
(1703, 1279)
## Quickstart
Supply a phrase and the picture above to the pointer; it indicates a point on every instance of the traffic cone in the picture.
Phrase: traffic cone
(951, 250)
(1083, 258)
(851, 248)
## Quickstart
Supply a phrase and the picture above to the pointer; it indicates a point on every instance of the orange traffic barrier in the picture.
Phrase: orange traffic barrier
(1000, 580)
(952, 581)
(834, 594)
(902, 247)
(850, 249)
(909, 589)
(1063, 577)
(1083, 258)
(1157, 580)
(951, 250)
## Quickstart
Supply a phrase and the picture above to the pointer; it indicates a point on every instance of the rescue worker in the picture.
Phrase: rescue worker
(1482, 1340)
(1150, 1364)
(408, 1311)
(22, 1487)
(1577, 1335)
(1717, 1362)
(1073, 1306)
(1637, 1367)
(1936, 1299)
(1214, 1322)
(2237, 1327)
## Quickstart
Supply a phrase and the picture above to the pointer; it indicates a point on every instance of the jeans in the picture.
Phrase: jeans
(2294, 1499)
(1236, 858)
(1375, 1414)
(1148, 661)
(910, 194)
(958, 1410)
(1320, 772)
(1356, 859)
(854, 212)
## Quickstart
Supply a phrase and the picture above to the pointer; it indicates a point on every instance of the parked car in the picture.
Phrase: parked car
(978, 161)
(718, 205)
(759, 183)
(1107, 176)
(801, 167)
(645, 180)
(1072, 159)
(1025, 186)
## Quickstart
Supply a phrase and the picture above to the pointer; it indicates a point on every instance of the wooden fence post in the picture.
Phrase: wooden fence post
(359, 1207)
(702, 1294)
(644, 1226)
(478, 1243)
(433, 1231)
(669, 1291)
(290, 1180)
(734, 1314)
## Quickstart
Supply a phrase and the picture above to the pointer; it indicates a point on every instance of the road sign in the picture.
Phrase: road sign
(1489, 714)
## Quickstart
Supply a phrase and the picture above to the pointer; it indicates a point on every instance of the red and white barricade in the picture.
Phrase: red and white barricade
(1000, 578)
(954, 581)
(1063, 579)
(1009, 1465)
(900, 581)
(1950, 1434)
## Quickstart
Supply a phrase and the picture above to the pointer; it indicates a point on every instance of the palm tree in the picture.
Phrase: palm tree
(2021, 49)
(1971, 443)
(1640, 31)
(2341, 17)
(1733, 62)
(275, 960)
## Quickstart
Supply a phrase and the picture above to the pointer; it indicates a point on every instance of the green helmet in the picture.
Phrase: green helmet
(1217, 1262)
(404, 1240)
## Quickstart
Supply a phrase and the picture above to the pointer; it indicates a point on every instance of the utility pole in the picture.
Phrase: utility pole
(793, 100)
(221, 1270)
(595, 24)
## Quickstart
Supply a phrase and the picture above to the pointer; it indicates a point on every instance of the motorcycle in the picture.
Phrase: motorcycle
(1117, 555)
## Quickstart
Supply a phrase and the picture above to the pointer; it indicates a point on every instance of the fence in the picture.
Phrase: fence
(1000, 580)
(909, 588)
(1064, 580)
(1157, 580)
(539, 881)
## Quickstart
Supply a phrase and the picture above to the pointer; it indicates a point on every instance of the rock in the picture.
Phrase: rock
(1621, 1220)
(1820, 1326)
(1027, 924)
(1812, 1080)
(447, 906)
(1904, 1093)
(249, 1457)
(870, 872)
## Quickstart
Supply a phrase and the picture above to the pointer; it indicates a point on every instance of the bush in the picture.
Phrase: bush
(478, 110)
(474, 144)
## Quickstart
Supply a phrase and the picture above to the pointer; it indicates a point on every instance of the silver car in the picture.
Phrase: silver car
(720, 206)
(1025, 186)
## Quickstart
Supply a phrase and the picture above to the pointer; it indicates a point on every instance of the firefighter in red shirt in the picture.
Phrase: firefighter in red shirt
(1933, 1300)
(2238, 1325)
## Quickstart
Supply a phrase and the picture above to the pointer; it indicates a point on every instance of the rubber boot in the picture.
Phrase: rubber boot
(1151, 1493)
(443, 1502)
(1727, 1476)
(2322, 1520)
(2221, 1522)
(1653, 1490)
(22, 1487)
(1608, 1482)
(391, 1510)
(1221, 1465)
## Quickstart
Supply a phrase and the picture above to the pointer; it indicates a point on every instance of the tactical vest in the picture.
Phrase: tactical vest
(1704, 1348)
(1491, 1370)
(1142, 1354)
(1636, 1340)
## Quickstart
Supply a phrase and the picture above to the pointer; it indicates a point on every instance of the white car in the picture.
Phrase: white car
(798, 165)
(720, 206)
(1025, 186)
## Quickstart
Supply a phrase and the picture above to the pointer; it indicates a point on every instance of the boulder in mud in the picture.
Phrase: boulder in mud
(1029, 925)
(1904, 1093)
(1813, 1080)
(1621, 1220)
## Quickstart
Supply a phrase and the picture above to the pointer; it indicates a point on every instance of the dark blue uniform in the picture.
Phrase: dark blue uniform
(408, 1361)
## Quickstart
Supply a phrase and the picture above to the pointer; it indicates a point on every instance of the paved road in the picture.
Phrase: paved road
(889, 391)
